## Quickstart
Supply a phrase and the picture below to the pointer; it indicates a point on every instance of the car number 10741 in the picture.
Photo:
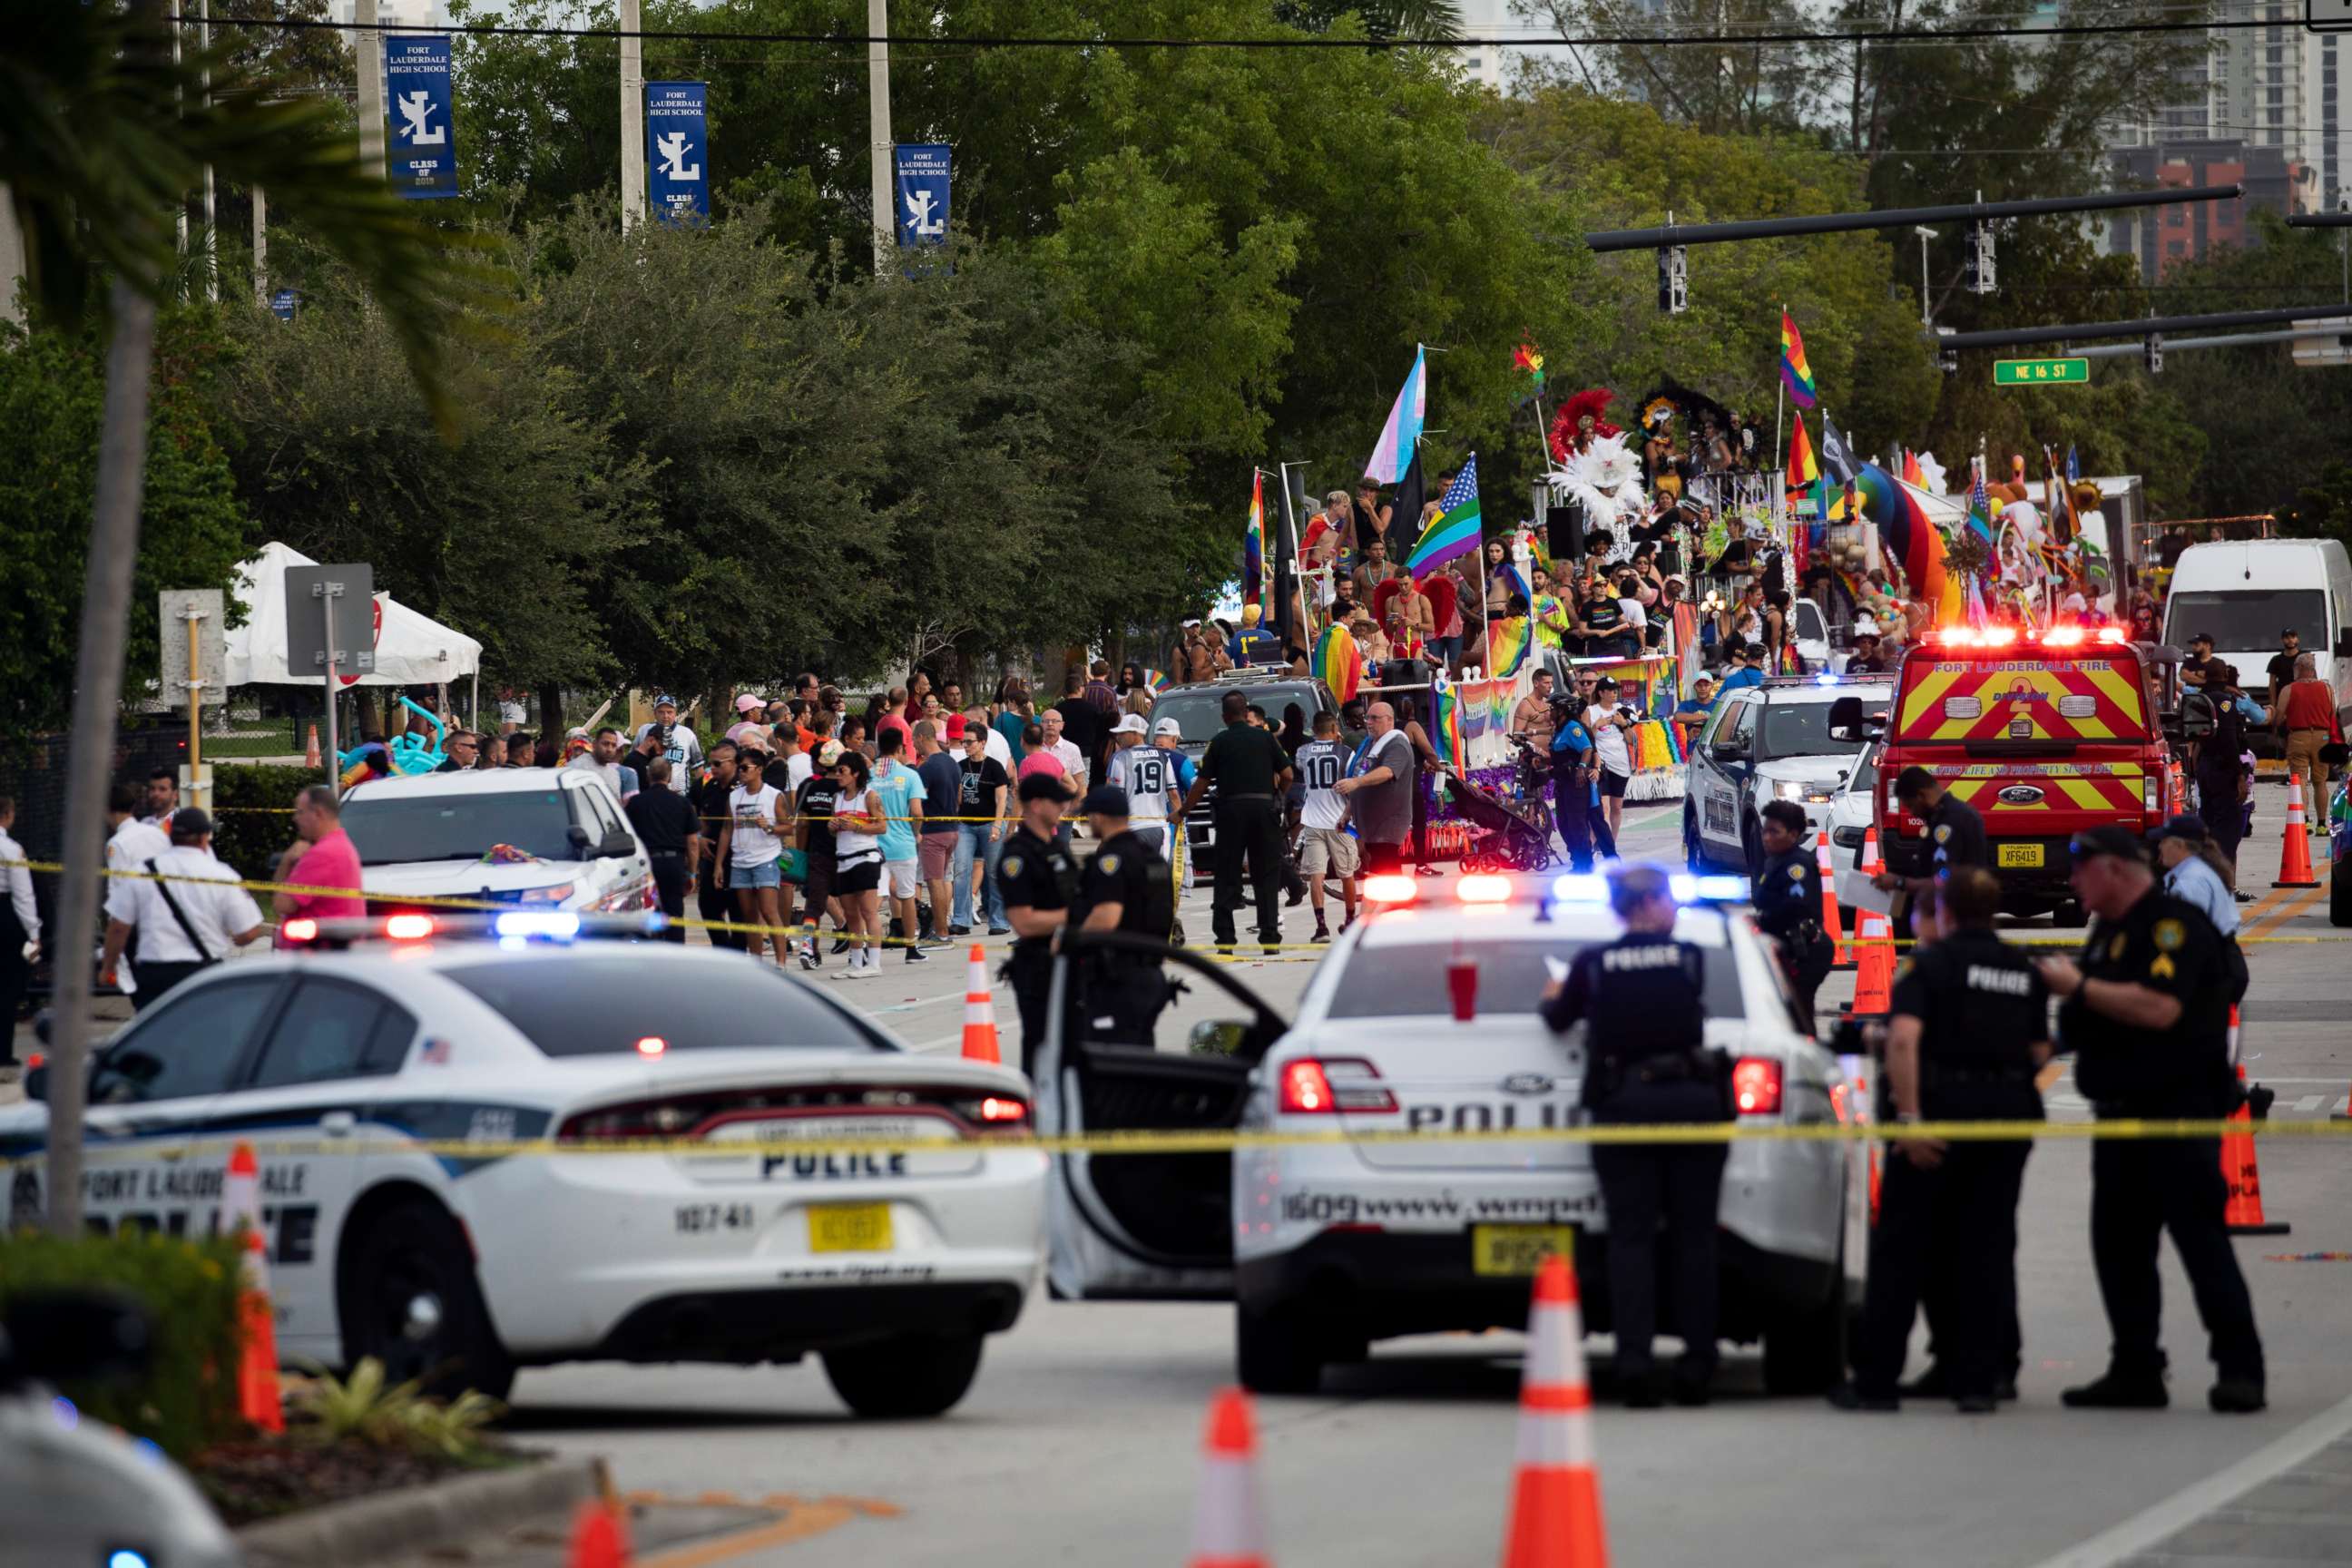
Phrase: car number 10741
(694, 1219)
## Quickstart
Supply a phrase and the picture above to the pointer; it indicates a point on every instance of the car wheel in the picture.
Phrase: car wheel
(1804, 1351)
(2340, 893)
(1274, 1352)
(412, 1302)
(907, 1376)
(1694, 850)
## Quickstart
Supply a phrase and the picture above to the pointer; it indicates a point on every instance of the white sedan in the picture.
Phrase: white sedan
(534, 838)
(1326, 1245)
(745, 1247)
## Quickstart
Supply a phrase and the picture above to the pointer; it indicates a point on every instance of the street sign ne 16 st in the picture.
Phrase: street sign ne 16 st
(2040, 371)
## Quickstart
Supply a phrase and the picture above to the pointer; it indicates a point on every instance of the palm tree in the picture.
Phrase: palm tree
(103, 135)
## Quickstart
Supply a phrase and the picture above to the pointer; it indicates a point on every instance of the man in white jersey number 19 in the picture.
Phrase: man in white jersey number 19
(1148, 777)
(1324, 848)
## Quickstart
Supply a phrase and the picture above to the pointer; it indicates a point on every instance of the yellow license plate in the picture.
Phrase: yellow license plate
(849, 1227)
(2028, 855)
(1517, 1249)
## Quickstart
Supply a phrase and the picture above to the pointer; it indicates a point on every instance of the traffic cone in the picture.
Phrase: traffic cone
(2243, 1212)
(1831, 922)
(979, 1012)
(2295, 858)
(257, 1395)
(1556, 1491)
(1228, 1523)
(311, 758)
(1874, 980)
(598, 1541)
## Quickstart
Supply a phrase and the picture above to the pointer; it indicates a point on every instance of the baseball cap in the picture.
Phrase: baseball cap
(2200, 637)
(665, 700)
(955, 727)
(1105, 800)
(1043, 786)
(190, 823)
(2094, 842)
(2188, 825)
(1169, 727)
(746, 703)
(1130, 724)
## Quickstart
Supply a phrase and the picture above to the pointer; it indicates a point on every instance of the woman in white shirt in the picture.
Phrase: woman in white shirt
(750, 854)
(857, 829)
(1610, 725)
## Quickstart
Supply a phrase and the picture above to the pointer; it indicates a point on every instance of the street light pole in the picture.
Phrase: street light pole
(1927, 317)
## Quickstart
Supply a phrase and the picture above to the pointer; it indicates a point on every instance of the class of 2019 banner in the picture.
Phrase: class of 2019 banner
(677, 142)
(423, 160)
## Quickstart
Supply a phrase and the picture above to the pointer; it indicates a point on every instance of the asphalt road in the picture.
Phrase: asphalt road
(1080, 1441)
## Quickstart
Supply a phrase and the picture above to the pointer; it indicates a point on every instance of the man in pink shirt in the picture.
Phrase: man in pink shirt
(321, 855)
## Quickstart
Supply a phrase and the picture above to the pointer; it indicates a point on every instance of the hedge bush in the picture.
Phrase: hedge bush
(247, 839)
(186, 1399)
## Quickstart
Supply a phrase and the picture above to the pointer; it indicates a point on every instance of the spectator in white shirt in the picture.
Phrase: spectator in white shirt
(1066, 753)
(20, 931)
(130, 841)
(163, 799)
(189, 912)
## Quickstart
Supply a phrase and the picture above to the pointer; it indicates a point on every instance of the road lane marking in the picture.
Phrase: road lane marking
(2183, 1508)
(2285, 912)
(803, 1519)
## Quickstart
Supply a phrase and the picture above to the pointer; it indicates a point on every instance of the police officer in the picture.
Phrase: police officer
(1956, 836)
(1788, 904)
(1572, 780)
(2145, 1012)
(1037, 879)
(1251, 774)
(1642, 999)
(1967, 1027)
(1126, 887)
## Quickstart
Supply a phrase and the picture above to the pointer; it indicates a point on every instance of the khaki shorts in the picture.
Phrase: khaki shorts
(1323, 850)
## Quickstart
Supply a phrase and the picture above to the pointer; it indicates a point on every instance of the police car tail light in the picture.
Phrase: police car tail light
(1312, 1086)
(999, 1109)
(300, 929)
(1482, 888)
(1389, 889)
(408, 927)
(1756, 1086)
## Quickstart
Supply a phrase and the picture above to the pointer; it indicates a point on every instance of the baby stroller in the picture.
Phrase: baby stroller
(1505, 835)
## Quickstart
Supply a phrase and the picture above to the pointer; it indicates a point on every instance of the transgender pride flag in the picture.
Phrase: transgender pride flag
(1403, 432)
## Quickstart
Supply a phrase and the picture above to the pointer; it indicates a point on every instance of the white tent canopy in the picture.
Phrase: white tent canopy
(411, 650)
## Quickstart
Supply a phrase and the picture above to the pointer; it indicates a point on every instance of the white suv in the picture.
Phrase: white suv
(541, 837)
(1762, 743)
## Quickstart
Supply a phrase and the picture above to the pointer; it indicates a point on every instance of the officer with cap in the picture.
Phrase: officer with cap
(1642, 998)
(2145, 1009)
(1037, 878)
(1956, 836)
(1252, 773)
(1126, 887)
(1572, 752)
(1788, 901)
(1968, 1028)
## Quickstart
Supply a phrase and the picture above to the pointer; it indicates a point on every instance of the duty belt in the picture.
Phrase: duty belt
(1673, 1067)
(1221, 796)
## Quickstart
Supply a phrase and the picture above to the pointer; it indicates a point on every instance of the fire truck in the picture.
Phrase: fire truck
(2045, 733)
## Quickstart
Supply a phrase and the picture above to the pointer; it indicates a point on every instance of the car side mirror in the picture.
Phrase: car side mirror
(617, 847)
(1218, 1037)
(1846, 721)
(578, 836)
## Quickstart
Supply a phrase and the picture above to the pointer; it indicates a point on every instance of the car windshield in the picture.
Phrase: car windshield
(1196, 710)
(603, 1002)
(1809, 623)
(396, 830)
(2249, 621)
(1388, 980)
(1802, 730)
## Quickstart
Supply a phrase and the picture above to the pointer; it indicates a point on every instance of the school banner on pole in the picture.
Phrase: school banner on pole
(922, 183)
(676, 138)
(424, 147)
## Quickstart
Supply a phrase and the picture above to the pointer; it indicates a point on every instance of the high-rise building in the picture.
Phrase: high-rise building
(1491, 64)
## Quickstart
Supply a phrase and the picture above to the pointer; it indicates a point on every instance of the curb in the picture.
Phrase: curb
(420, 1519)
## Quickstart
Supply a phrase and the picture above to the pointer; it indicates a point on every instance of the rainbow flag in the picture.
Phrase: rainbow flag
(1253, 583)
(1803, 470)
(1454, 532)
(1156, 679)
(1445, 725)
(1508, 643)
(1795, 373)
(1912, 473)
(1338, 662)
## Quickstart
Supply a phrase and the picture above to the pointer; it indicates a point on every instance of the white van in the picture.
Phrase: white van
(2247, 592)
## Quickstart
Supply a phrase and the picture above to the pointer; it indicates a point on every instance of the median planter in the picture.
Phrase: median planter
(415, 1519)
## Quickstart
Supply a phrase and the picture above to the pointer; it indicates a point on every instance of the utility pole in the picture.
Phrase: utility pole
(632, 115)
(12, 259)
(371, 69)
(261, 248)
(212, 192)
(877, 72)
(1926, 311)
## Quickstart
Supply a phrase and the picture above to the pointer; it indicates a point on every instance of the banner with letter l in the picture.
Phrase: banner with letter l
(922, 184)
(676, 140)
(424, 147)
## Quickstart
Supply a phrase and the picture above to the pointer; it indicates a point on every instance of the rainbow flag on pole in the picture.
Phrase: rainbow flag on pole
(1803, 469)
(1795, 373)
(1456, 530)
(1254, 584)
(1445, 725)
(1338, 662)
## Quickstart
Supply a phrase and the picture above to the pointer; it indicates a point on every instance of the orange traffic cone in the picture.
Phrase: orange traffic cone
(311, 758)
(598, 1541)
(979, 1012)
(2243, 1212)
(1556, 1493)
(2295, 859)
(257, 1395)
(1831, 922)
(1228, 1523)
(1874, 980)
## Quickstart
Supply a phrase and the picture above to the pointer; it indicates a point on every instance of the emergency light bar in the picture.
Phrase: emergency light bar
(513, 928)
(1592, 888)
(2011, 636)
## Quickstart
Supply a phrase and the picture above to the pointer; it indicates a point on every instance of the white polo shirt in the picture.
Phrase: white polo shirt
(220, 914)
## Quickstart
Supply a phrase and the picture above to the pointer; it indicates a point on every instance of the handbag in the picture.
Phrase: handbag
(792, 865)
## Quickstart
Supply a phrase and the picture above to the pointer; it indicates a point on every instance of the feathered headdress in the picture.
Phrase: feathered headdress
(1592, 401)
(1606, 479)
(1656, 412)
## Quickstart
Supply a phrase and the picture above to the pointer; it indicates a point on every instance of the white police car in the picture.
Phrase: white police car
(1763, 744)
(535, 838)
(892, 1265)
(1328, 1244)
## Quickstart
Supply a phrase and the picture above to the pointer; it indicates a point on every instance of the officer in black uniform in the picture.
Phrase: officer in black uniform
(1788, 901)
(1956, 836)
(1125, 887)
(1643, 998)
(1038, 879)
(1252, 773)
(1968, 1028)
(2145, 1012)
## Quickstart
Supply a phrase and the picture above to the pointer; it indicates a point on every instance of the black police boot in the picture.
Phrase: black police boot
(1977, 1403)
(2120, 1390)
(1644, 1389)
(1850, 1396)
(1694, 1386)
(2236, 1396)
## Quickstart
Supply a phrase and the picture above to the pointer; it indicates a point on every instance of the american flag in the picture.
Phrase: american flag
(1465, 487)
(1979, 500)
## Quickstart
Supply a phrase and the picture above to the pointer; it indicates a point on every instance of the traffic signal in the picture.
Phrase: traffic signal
(1673, 279)
(2154, 353)
(1977, 276)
